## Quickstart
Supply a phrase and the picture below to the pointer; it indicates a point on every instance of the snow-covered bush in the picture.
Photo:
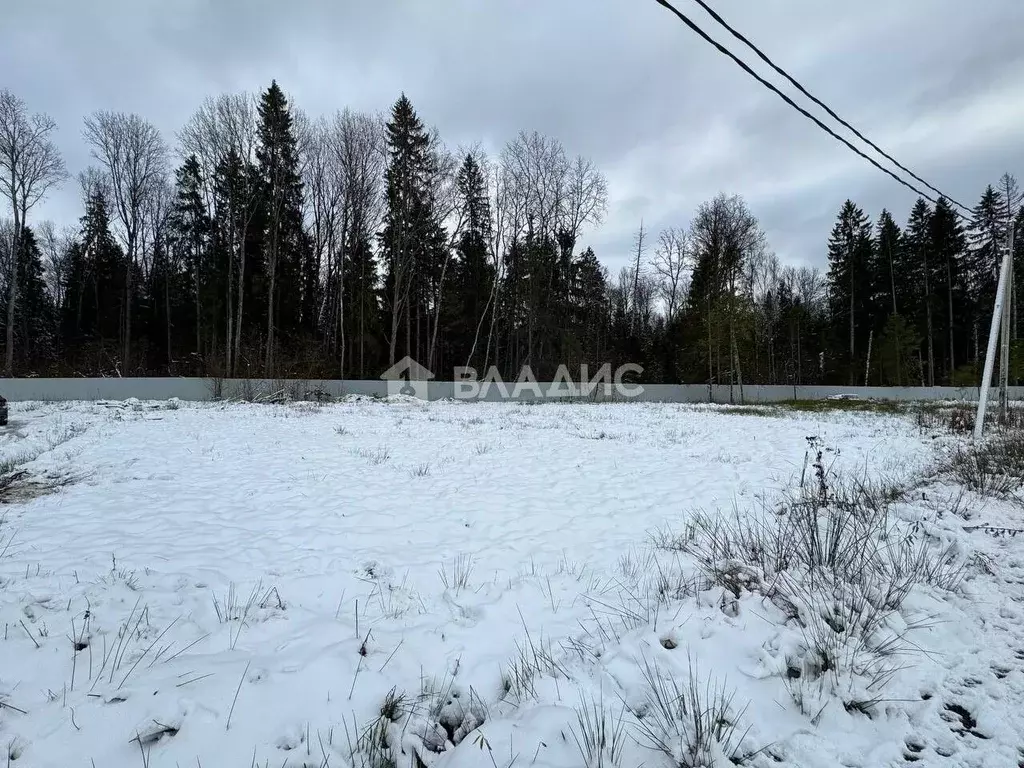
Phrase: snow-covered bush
(835, 560)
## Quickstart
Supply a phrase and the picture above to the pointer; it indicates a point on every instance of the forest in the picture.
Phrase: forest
(266, 243)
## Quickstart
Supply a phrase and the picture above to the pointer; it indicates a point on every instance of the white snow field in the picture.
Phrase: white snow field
(454, 585)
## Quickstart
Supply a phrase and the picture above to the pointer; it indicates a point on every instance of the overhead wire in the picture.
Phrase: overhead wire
(770, 86)
(796, 84)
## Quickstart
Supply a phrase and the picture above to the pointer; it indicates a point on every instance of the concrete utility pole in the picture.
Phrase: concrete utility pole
(1000, 318)
(1004, 352)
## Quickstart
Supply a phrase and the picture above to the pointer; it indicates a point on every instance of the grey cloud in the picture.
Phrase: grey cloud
(670, 121)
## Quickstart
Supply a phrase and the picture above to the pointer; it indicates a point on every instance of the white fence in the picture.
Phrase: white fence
(199, 389)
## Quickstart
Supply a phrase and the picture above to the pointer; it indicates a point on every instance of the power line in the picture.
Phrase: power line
(740, 63)
(739, 36)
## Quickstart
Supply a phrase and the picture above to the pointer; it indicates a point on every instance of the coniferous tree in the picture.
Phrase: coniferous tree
(93, 299)
(985, 243)
(412, 240)
(589, 308)
(947, 243)
(188, 265)
(367, 350)
(898, 349)
(472, 283)
(850, 286)
(888, 249)
(290, 293)
(891, 328)
(920, 279)
(35, 330)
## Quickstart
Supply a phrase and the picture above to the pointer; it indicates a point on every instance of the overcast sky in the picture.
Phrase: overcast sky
(937, 83)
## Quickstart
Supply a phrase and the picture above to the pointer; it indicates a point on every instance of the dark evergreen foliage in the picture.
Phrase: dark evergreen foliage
(425, 256)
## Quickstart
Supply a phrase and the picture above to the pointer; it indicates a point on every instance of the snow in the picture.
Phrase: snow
(247, 584)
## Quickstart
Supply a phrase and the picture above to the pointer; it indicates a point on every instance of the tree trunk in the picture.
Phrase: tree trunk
(269, 357)
(12, 292)
(853, 324)
(129, 287)
(340, 257)
(952, 352)
(928, 324)
(437, 313)
(199, 317)
(229, 338)
(167, 311)
(241, 305)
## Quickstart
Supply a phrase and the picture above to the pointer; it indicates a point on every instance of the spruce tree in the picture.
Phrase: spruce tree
(473, 281)
(850, 283)
(890, 326)
(888, 248)
(290, 290)
(985, 243)
(412, 240)
(947, 244)
(920, 281)
(590, 308)
(34, 320)
(93, 298)
(188, 266)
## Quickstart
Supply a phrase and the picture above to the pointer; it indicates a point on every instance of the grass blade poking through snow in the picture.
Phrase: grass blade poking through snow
(461, 571)
(694, 727)
(600, 738)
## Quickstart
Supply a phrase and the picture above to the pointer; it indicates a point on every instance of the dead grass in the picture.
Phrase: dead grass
(993, 467)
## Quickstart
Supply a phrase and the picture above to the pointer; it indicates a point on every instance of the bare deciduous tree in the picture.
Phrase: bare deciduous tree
(223, 128)
(586, 197)
(637, 272)
(324, 185)
(358, 145)
(670, 263)
(30, 166)
(535, 170)
(134, 157)
(56, 246)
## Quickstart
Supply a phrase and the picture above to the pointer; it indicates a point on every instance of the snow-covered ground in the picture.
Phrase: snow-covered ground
(238, 585)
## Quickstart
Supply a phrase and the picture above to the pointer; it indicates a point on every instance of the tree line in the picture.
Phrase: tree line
(271, 244)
